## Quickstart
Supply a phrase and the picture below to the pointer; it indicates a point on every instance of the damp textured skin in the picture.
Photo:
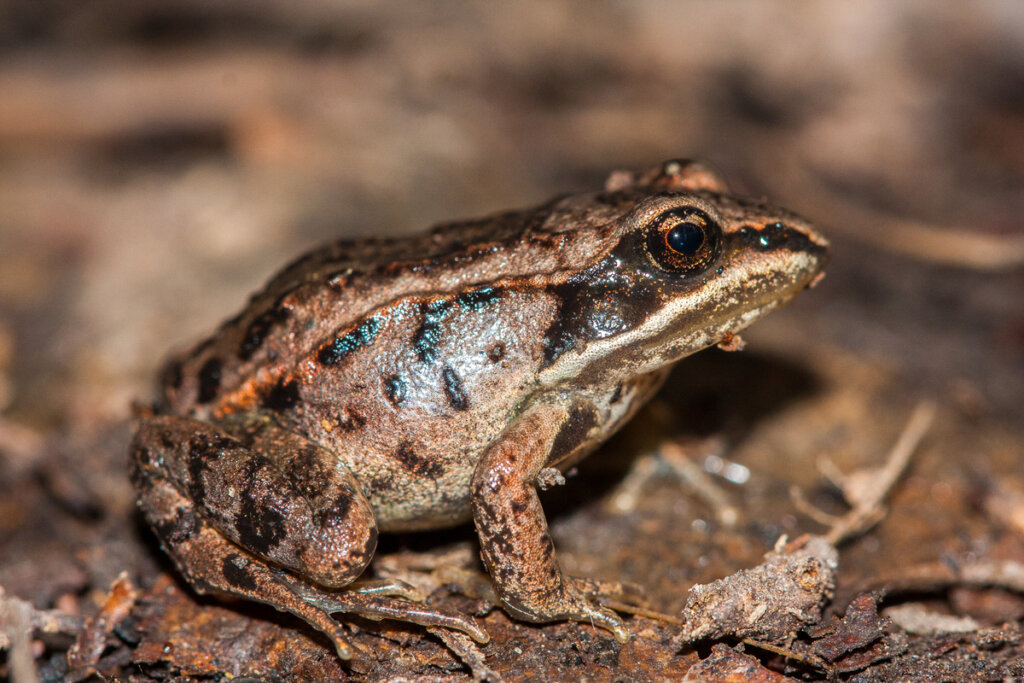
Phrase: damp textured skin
(420, 382)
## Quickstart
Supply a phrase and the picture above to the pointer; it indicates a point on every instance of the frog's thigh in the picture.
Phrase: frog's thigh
(514, 540)
(209, 562)
(271, 492)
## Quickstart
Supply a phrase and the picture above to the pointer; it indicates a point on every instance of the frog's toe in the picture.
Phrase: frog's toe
(393, 588)
(608, 620)
(575, 602)
(585, 610)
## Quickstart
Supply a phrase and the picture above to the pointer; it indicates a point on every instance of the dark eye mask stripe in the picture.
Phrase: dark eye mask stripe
(775, 236)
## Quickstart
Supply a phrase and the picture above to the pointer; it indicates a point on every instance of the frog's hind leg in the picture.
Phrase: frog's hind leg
(219, 500)
(183, 470)
(275, 494)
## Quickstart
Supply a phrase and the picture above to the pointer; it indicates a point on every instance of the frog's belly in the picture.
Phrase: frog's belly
(418, 479)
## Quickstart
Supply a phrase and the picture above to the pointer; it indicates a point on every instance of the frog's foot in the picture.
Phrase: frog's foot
(622, 597)
(574, 602)
(377, 606)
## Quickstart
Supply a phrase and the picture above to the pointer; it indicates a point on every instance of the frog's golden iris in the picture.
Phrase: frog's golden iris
(683, 240)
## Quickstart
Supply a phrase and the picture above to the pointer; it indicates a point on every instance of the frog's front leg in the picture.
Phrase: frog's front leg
(233, 503)
(515, 543)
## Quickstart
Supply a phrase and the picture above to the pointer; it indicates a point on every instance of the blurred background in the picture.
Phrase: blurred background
(158, 161)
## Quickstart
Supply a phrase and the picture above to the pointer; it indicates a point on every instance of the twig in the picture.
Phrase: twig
(671, 458)
(950, 246)
(800, 502)
(16, 626)
(940, 576)
(468, 652)
(866, 491)
(803, 658)
(636, 610)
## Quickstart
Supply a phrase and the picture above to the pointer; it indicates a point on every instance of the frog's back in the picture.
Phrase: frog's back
(333, 290)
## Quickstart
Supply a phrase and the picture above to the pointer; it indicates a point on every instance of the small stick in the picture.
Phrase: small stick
(467, 651)
(866, 492)
(16, 625)
(636, 610)
(868, 506)
(809, 659)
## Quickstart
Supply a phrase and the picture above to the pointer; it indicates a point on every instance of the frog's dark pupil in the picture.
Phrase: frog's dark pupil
(685, 238)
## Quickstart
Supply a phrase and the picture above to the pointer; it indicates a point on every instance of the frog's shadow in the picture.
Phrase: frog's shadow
(714, 393)
(711, 394)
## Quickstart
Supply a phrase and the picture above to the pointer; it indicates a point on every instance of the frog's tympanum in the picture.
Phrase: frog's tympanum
(419, 382)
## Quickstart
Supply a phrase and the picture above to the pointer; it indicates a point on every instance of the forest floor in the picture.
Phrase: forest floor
(159, 161)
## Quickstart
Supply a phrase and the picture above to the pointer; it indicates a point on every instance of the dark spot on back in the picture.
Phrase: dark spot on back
(259, 328)
(394, 389)
(479, 299)
(282, 396)
(219, 443)
(381, 482)
(341, 347)
(428, 334)
(616, 395)
(200, 454)
(496, 352)
(417, 464)
(454, 390)
(209, 380)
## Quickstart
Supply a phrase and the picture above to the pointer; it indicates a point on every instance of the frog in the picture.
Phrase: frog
(399, 384)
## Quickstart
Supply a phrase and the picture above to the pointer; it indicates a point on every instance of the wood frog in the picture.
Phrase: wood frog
(420, 382)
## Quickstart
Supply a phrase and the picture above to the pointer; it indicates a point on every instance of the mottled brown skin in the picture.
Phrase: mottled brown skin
(415, 383)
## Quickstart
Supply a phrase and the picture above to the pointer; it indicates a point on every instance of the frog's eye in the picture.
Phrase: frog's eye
(683, 240)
